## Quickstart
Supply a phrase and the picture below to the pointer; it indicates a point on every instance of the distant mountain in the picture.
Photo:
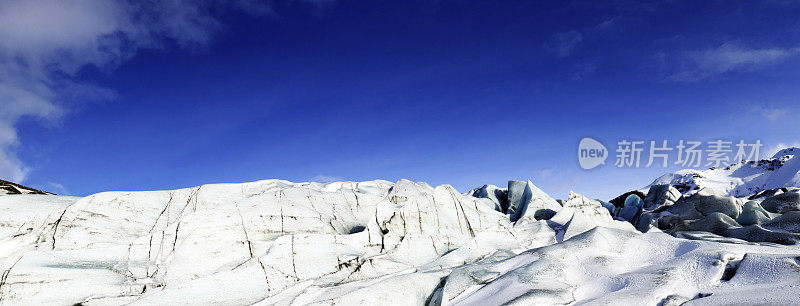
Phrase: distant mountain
(739, 179)
(7, 188)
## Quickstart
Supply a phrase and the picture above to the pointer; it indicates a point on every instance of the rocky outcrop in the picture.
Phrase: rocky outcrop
(7, 187)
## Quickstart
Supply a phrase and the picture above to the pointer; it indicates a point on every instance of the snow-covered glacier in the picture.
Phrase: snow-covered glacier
(740, 178)
(275, 242)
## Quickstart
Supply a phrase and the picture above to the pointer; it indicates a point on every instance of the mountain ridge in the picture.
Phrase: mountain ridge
(7, 187)
(739, 179)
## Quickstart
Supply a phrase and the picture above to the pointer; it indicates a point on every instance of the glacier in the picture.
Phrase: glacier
(740, 178)
(276, 242)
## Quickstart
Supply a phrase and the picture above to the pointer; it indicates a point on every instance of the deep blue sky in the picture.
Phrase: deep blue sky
(448, 92)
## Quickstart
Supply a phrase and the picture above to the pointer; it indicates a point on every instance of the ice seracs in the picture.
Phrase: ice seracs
(520, 199)
(782, 201)
(661, 195)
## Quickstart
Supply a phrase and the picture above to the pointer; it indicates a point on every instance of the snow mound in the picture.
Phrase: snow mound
(611, 267)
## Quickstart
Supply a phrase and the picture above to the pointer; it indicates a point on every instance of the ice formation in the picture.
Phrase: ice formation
(275, 242)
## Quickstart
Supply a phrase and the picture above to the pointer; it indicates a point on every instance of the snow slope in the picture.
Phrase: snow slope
(276, 242)
(742, 178)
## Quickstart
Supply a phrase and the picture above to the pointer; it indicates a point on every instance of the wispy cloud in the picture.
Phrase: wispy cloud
(565, 43)
(728, 57)
(562, 44)
(321, 178)
(772, 113)
(541, 174)
(605, 24)
(320, 3)
(45, 43)
(579, 71)
(57, 188)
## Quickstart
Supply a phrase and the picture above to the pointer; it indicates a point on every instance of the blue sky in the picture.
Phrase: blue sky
(105, 95)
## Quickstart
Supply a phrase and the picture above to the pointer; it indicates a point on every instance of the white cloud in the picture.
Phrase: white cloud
(579, 71)
(772, 113)
(44, 43)
(605, 24)
(321, 178)
(562, 44)
(319, 3)
(57, 188)
(540, 174)
(698, 65)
